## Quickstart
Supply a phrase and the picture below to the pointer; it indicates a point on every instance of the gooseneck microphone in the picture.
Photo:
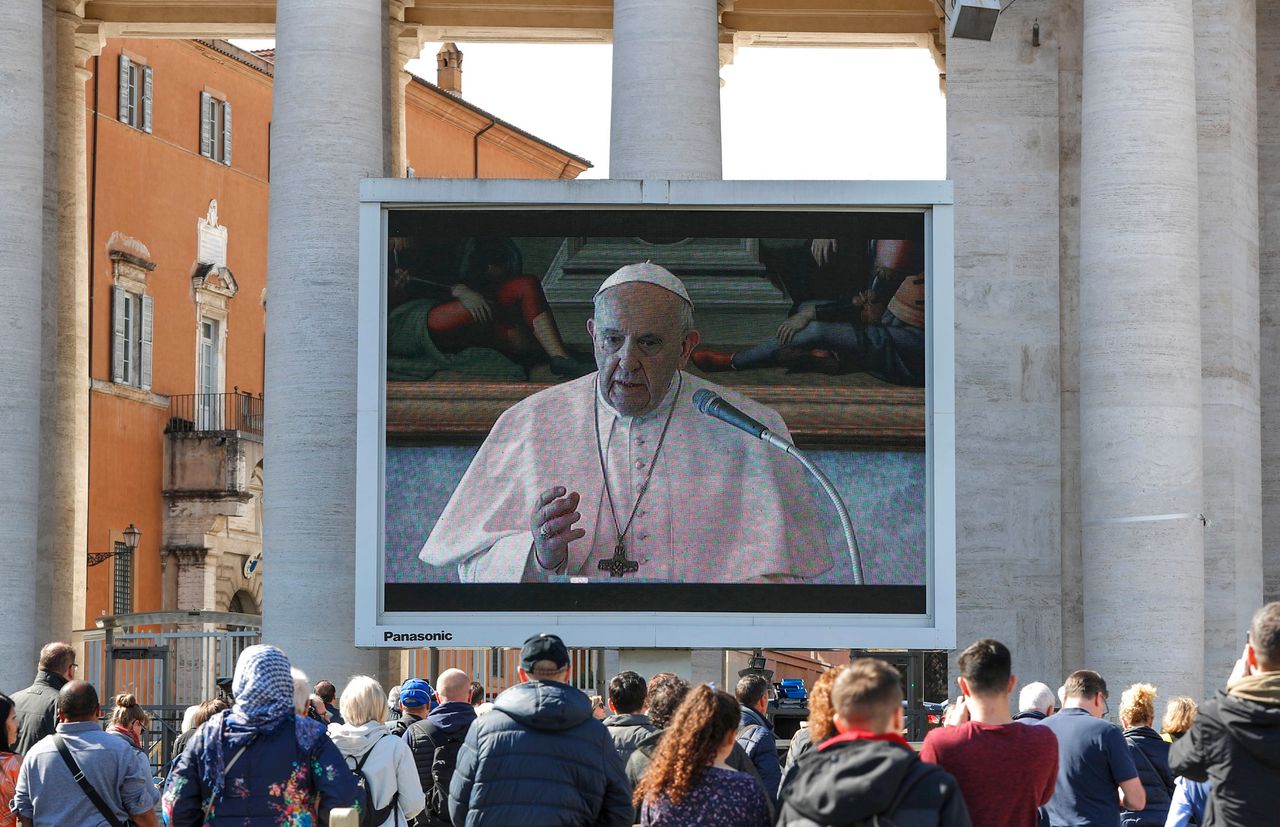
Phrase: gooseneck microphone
(712, 404)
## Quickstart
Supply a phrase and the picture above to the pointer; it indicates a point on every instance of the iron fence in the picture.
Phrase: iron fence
(199, 413)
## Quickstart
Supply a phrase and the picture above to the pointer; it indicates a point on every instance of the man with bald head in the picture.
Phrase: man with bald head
(118, 774)
(435, 741)
(617, 475)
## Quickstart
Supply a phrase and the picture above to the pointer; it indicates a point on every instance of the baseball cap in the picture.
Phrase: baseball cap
(544, 647)
(415, 692)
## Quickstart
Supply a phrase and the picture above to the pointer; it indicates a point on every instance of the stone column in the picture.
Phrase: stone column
(665, 119)
(327, 134)
(1227, 92)
(1140, 416)
(64, 470)
(21, 256)
(404, 43)
(1268, 60)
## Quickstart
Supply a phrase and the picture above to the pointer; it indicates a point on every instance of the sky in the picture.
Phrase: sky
(786, 112)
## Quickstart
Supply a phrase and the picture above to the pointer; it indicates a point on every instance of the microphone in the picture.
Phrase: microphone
(712, 404)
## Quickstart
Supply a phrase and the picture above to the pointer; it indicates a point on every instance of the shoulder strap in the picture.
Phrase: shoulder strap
(364, 756)
(89, 791)
(1165, 781)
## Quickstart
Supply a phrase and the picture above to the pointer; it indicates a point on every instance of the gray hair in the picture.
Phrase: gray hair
(1035, 696)
(301, 691)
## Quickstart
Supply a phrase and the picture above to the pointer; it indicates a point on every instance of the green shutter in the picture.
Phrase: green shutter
(146, 98)
(226, 132)
(117, 334)
(125, 115)
(206, 125)
(144, 352)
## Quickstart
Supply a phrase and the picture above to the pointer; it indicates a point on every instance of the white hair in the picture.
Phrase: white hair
(189, 718)
(1035, 696)
(362, 701)
(301, 691)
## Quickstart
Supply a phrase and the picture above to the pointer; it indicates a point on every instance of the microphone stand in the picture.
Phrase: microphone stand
(846, 525)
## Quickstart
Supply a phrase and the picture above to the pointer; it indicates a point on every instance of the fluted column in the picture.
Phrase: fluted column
(665, 120)
(21, 261)
(1140, 388)
(327, 133)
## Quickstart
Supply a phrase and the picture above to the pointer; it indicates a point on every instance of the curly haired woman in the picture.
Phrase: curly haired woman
(689, 782)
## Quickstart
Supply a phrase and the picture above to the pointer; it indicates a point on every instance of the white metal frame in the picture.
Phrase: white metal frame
(935, 629)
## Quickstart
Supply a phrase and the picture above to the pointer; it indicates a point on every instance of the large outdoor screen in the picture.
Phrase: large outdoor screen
(659, 414)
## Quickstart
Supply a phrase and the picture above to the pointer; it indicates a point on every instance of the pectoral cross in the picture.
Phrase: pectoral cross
(618, 565)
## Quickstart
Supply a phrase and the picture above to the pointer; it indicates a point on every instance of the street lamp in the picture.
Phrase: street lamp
(132, 536)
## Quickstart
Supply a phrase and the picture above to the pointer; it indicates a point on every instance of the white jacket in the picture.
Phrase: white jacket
(390, 767)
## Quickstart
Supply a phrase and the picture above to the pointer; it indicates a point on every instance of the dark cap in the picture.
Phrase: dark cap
(544, 647)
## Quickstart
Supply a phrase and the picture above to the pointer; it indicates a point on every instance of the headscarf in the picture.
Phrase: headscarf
(263, 689)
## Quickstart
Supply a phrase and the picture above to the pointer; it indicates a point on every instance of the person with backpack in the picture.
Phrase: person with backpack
(868, 774)
(435, 741)
(258, 764)
(387, 786)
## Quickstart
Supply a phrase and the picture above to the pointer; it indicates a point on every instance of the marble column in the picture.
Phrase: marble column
(64, 469)
(21, 261)
(327, 133)
(1227, 95)
(1141, 464)
(665, 120)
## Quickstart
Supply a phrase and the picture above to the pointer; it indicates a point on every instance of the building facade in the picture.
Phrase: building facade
(178, 179)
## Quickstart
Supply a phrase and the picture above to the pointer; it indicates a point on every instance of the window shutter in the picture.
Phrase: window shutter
(144, 352)
(124, 114)
(226, 132)
(206, 125)
(146, 98)
(117, 334)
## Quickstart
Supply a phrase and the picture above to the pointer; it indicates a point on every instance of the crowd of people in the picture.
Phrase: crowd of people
(657, 752)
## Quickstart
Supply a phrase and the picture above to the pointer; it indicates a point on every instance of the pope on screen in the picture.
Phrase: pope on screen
(618, 475)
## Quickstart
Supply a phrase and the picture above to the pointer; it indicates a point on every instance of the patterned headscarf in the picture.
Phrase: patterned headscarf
(263, 689)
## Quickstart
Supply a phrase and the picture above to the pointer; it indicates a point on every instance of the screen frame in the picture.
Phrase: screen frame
(934, 629)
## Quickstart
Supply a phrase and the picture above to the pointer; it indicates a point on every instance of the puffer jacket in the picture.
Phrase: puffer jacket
(850, 779)
(388, 767)
(448, 722)
(627, 731)
(1235, 743)
(37, 709)
(539, 758)
(757, 738)
(1150, 755)
(289, 775)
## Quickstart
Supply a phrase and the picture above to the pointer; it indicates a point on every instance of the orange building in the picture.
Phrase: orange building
(178, 181)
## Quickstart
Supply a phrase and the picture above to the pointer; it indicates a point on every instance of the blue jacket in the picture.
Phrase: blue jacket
(1150, 755)
(756, 737)
(281, 776)
(539, 758)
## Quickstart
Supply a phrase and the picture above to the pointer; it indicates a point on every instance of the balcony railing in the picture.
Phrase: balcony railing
(199, 413)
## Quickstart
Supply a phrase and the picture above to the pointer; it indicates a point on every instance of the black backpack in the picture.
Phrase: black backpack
(369, 815)
(444, 760)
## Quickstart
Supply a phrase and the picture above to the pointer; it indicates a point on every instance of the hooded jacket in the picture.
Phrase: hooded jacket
(37, 709)
(1235, 743)
(539, 758)
(854, 777)
(389, 767)
(447, 722)
(628, 730)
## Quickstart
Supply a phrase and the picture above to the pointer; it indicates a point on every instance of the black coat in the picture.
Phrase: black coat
(849, 781)
(447, 722)
(1150, 755)
(37, 710)
(539, 758)
(1235, 743)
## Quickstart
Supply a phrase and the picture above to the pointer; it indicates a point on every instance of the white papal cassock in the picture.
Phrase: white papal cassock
(722, 507)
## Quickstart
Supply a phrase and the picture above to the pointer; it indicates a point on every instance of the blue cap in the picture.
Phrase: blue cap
(415, 692)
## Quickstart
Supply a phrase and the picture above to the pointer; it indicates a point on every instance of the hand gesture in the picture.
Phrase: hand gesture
(794, 324)
(1242, 668)
(822, 250)
(551, 523)
(475, 304)
(957, 713)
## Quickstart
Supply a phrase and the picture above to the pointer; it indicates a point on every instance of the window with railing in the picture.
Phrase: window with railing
(122, 598)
